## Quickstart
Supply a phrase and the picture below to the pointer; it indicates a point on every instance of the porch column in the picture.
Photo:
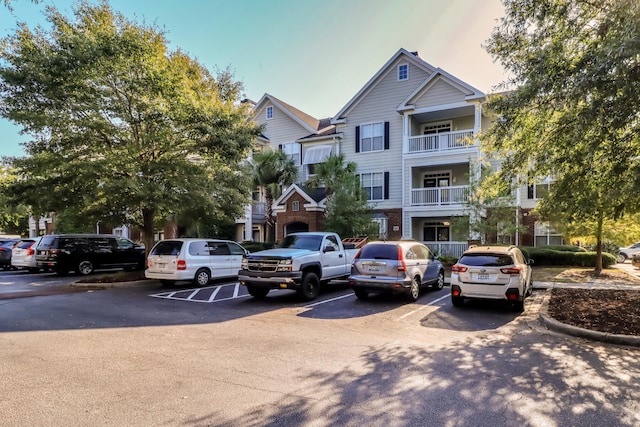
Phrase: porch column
(405, 133)
(477, 125)
(475, 171)
(248, 223)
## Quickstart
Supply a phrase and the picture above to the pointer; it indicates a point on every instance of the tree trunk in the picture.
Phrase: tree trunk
(36, 220)
(598, 268)
(148, 215)
(268, 218)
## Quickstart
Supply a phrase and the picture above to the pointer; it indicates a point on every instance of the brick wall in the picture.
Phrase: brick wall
(313, 219)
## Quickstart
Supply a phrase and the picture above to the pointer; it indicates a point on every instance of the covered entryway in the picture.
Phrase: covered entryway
(296, 227)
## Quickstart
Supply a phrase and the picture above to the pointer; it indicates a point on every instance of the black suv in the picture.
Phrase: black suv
(83, 253)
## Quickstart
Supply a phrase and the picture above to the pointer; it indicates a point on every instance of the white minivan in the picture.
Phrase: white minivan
(194, 259)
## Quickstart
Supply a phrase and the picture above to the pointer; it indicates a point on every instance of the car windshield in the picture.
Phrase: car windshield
(168, 247)
(485, 260)
(373, 251)
(309, 242)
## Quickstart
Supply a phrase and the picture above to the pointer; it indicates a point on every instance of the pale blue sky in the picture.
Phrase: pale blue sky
(313, 54)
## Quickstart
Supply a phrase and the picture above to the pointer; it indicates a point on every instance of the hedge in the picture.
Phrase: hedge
(544, 256)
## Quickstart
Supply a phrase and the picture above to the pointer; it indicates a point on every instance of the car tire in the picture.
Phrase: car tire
(258, 292)
(202, 277)
(414, 290)
(84, 267)
(310, 287)
(518, 306)
(457, 301)
(361, 293)
(621, 258)
(440, 282)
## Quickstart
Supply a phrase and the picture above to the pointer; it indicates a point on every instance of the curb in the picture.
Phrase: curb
(575, 331)
(111, 285)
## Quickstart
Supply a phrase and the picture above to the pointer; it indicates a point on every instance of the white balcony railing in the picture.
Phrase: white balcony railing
(441, 141)
(258, 210)
(447, 248)
(454, 195)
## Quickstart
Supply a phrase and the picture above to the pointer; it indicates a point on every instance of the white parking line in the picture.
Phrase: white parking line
(214, 293)
(329, 300)
(423, 307)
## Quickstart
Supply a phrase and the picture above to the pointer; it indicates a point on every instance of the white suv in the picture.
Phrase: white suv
(196, 260)
(491, 272)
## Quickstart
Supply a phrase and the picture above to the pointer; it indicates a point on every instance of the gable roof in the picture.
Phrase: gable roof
(303, 119)
(315, 197)
(417, 61)
(469, 91)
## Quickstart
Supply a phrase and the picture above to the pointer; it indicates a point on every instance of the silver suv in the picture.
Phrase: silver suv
(403, 267)
(628, 252)
(491, 272)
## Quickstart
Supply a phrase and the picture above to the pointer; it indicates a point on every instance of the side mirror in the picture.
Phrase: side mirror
(329, 248)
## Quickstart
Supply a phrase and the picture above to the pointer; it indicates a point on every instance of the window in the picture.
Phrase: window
(295, 206)
(372, 185)
(436, 128)
(292, 150)
(403, 72)
(435, 232)
(383, 224)
(372, 137)
(269, 113)
(546, 235)
(537, 191)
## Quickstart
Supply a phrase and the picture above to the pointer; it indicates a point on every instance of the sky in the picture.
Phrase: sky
(312, 54)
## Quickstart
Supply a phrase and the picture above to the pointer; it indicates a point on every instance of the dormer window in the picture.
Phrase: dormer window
(269, 113)
(403, 72)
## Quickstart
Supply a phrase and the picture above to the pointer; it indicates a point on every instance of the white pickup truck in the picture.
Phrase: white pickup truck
(302, 261)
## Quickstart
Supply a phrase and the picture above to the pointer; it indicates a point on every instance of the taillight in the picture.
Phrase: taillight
(30, 251)
(458, 268)
(402, 266)
(510, 270)
(182, 264)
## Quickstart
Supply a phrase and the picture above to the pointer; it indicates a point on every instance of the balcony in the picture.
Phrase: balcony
(440, 196)
(441, 142)
(258, 210)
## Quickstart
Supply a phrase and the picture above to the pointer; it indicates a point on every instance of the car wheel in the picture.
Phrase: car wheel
(440, 283)
(202, 277)
(621, 258)
(414, 289)
(84, 267)
(361, 293)
(258, 292)
(457, 301)
(310, 287)
(529, 290)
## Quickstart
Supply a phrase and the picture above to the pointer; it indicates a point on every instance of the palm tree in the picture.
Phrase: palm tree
(330, 174)
(272, 170)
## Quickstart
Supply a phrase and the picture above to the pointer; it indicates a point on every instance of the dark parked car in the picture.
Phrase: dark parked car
(84, 253)
(401, 267)
(6, 247)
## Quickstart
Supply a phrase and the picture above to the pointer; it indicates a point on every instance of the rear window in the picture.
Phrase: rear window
(25, 244)
(373, 251)
(169, 247)
(485, 260)
(48, 242)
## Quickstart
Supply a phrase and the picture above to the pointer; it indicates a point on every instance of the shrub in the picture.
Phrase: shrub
(448, 260)
(544, 256)
(257, 246)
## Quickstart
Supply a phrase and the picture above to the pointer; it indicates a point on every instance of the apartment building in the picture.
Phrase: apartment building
(412, 131)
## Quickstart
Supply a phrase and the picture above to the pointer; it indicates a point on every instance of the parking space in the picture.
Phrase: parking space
(209, 294)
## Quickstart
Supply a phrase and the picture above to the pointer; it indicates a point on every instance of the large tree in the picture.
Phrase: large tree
(571, 112)
(124, 129)
(273, 171)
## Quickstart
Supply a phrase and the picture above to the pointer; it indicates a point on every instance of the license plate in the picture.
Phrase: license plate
(374, 268)
(161, 265)
(483, 277)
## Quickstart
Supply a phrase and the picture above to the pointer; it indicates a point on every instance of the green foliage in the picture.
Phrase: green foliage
(257, 246)
(448, 260)
(543, 256)
(347, 213)
(123, 130)
(571, 113)
(272, 170)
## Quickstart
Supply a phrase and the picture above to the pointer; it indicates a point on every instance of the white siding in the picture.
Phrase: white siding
(380, 104)
(282, 129)
(439, 93)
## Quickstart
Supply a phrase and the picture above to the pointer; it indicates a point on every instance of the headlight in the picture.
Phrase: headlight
(244, 264)
(284, 265)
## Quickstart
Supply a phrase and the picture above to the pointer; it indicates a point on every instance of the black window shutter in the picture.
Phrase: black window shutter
(280, 147)
(386, 135)
(530, 192)
(357, 139)
(386, 185)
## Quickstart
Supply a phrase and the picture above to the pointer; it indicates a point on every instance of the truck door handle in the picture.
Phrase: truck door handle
(340, 256)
